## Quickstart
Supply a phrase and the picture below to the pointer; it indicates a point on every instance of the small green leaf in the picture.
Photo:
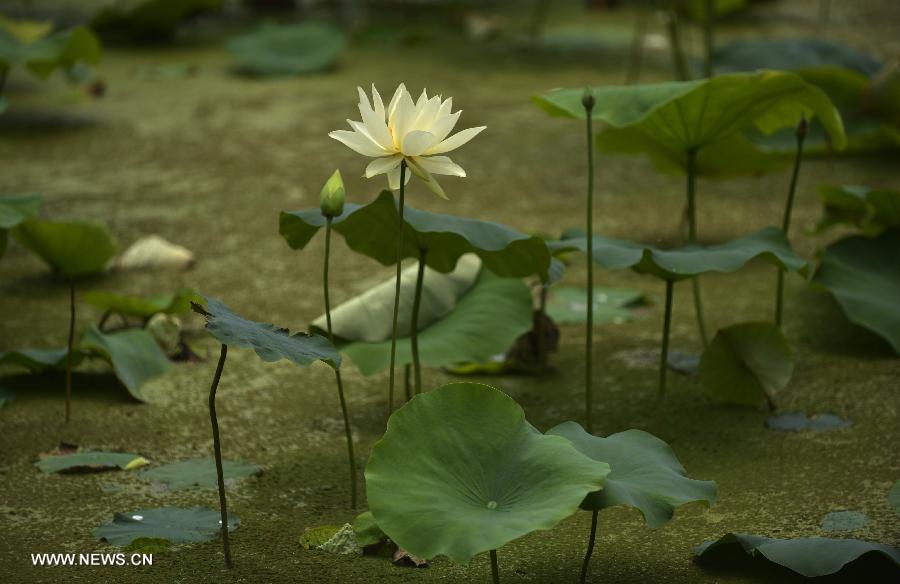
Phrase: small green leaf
(372, 231)
(746, 363)
(645, 473)
(567, 305)
(863, 274)
(142, 306)
(134, 355)
(90, 461)
(198, 473)
(297, 49)
(845, 521)
(72, 249)
(173, 524)
(768, 244)
(808, 556)
(270, 342)
(478, 476)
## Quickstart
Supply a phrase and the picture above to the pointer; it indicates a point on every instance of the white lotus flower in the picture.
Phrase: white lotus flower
(416, 132)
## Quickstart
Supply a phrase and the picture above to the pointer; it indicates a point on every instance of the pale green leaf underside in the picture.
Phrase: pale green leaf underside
(72, 249)
(478, 477)
(644, 473)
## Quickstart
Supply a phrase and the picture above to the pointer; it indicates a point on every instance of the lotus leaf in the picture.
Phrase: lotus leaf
(173, 524)
(142, 306)
(272, 49)
(198, 473)
(44, 55)
(134, 355)
(869, 210)
(72, 249)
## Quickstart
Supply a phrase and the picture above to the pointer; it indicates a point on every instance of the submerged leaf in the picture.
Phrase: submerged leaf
(173, 524)
(795, 421)
(485, 321)
(845, 521)
(808, 556)
(134, 355)
(479, 476)
(297, 49)
(768, 244)
(372, 231)
(72, 249)
(747, 363)
(645, 473)
(270, 342)
(198, 473)
(90, 461)
(863, 274)
(567, 305)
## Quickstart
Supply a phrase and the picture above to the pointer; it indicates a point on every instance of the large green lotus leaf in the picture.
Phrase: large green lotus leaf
(808, 556)
(746, 362)
(270, 342)
(645, 473)
(287, 49)
(667, 120)
(198, 473)
(174, 524)
(791, 54)
(90, 462)
(567, 305)
(147, 20)
(863, 274)
(37, 360)
(768, 244)
(72, 249)
(372, 230)
(460, 471)
(134, 354)
(485, 321)
(869, 210)
(44, 55)
(142, 306)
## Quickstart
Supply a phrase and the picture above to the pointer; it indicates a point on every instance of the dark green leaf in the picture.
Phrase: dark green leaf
(372, 230)
(78, 462)
(485, 321)
(567, 305)
(147, 20)
(790, 54)
(478, 477)
(869, 210)
(297, 49)
(72, 249)
(198, 473)
(270, 342)
(864, 276)
(746, 363)
(134, 355)
(645, 473)
(768, 244)
(142, 306)
(808, 556)
(174, 524)
(367, 530)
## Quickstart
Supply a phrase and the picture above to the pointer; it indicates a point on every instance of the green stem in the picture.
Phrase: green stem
(636, 54)
(397, 288)
(69, 351)
(540, 331)
(589, 334)
(786, 221)
(407, 383)
(217, 450)
(414, 327)
(692, 238)
(708, 29)
(678, 60)
(590, 549)
(664, 352)
(337, 372)
(495, 569)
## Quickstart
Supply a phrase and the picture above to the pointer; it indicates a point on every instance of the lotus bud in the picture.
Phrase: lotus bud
(588, 100)
(801, 128)
(331, 200)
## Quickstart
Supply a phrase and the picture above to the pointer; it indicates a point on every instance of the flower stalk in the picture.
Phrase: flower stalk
(397, 286)
(69, 351)
(786, 221)
(590, 549)
(588, 102)
(414, 327)
(692, 238)
(664, 351)
(217, 451)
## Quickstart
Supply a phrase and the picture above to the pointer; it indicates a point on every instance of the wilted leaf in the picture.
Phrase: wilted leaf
(747, 363)
(863, 274)
(479, 476)
(198, 473)
(270, 342)
(795, 421)
(142, 306)
(372, 231)
(71, 249)
(402, 557)
(808, 556)
(768, 244)
(845, 521)
(173, 524)
(154, 252)
(645, 473)
(134, 355)
(295, 49)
